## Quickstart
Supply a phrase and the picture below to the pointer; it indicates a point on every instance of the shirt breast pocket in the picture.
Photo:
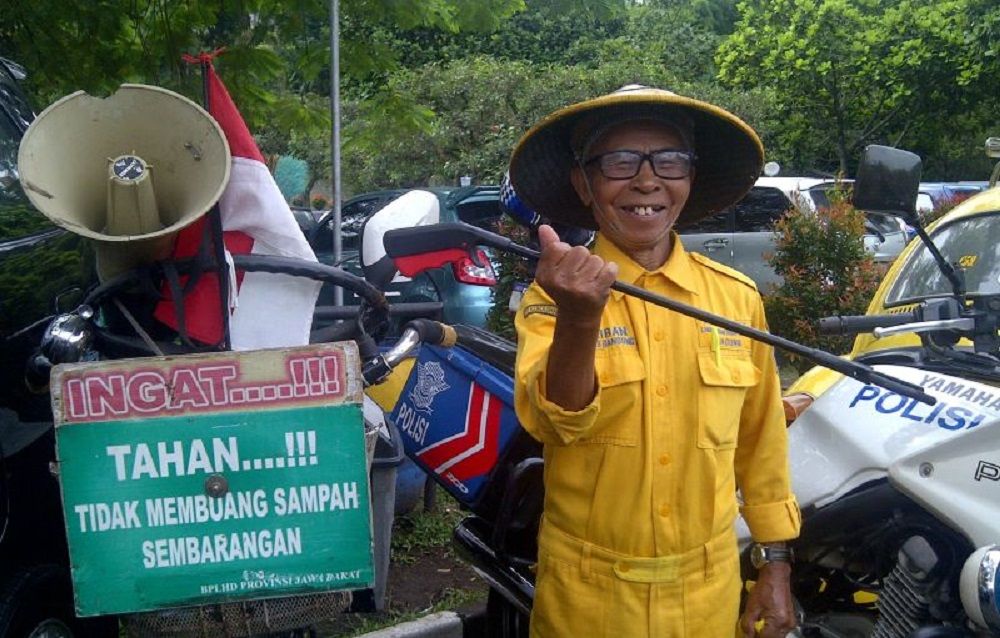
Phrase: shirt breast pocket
(725, 380)
(620, 376)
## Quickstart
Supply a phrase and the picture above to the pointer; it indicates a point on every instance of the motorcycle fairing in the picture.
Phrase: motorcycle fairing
(939, 455)
(456, 419)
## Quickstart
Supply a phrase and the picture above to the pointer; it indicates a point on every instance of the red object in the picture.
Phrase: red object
(255, 220)
(467, 272)
(413, 265)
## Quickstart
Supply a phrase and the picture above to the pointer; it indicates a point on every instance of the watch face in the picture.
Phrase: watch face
(758, 557)
(128, 168)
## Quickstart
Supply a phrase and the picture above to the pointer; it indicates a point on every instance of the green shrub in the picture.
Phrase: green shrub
(826, 271)
(511, 269)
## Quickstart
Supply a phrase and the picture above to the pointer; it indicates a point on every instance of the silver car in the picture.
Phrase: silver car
(742, 236)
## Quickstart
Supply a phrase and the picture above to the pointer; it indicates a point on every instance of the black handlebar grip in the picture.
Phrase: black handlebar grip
(854, 324)
(434, 332)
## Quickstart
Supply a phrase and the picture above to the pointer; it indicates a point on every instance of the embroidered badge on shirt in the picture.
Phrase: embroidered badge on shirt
(720, 338)
(541, 309)
(430, 382)
(614, 336)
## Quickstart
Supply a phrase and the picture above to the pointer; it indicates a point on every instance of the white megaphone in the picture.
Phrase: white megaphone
(128, 171)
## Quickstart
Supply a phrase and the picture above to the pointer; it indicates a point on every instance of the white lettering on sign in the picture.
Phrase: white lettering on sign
(96, 394)
(263, 580)
(221, 548)
(303, 499)
(412, 423)
(102, 517)
(185, 458)
(172, 459)
(200, 508)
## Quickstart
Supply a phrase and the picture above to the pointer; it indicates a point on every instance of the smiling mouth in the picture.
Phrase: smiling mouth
(643, 211)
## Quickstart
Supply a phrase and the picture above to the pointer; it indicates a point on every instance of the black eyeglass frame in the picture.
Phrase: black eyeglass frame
(645, 157)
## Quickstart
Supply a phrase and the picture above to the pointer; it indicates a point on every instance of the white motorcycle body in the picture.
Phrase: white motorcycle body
(945, 457)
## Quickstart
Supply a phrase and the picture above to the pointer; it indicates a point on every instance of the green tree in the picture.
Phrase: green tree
(851, 72)
(479, 107)
(277, 50)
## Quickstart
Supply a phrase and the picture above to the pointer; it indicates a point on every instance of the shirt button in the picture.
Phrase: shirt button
(624, 567)
(736, 375)
(661, 390)
(658, 335)
(664, 510)
(664, 459)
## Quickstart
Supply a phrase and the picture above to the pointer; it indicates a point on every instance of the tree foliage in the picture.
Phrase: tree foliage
(825, 271)
(479, 107)
(851, 72)
(818, 79)
(277, 51)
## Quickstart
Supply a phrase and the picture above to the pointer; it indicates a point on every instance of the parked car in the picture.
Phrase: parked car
(442, 289)
(307, 218)
(742, 236)
(933, 195)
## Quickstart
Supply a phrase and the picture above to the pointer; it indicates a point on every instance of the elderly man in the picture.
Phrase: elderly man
(651, 420)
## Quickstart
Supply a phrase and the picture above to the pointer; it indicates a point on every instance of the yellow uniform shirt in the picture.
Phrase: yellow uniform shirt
(684, 414)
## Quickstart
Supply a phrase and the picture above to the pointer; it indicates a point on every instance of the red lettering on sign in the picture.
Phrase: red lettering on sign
(147, 392)
(109, 392)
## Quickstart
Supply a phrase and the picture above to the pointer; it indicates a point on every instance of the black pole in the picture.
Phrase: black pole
(218, 242)
(418, 240)
(855, 370)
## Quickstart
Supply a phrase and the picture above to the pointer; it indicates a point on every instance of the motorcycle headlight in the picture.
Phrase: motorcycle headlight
(978, 587)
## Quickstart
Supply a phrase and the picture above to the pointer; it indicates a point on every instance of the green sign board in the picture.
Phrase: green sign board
(213, 478)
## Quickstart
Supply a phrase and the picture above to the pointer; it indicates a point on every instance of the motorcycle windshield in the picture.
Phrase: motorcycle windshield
(973, 243)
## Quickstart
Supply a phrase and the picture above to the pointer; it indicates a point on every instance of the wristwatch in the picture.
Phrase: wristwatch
(762, 553)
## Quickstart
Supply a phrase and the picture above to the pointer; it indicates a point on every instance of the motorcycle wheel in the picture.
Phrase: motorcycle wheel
(503, 620)
(37, 602)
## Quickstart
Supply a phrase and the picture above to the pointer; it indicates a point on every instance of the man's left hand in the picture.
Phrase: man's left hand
(770, 601)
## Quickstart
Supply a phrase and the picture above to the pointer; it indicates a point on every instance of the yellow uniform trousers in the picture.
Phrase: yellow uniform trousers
(586, 591)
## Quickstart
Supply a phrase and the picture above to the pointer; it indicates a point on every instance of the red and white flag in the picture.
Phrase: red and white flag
(266, 310)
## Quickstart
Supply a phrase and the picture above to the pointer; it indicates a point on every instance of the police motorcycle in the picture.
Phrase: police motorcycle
(901, 533)
(496, 471)
(114, 201)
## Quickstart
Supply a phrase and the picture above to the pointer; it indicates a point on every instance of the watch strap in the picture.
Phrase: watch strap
(764, 553)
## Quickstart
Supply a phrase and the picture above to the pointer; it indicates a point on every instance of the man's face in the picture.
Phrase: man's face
(636, 213)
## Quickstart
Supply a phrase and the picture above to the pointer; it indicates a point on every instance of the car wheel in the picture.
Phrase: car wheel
(503, 620)
(37, 602)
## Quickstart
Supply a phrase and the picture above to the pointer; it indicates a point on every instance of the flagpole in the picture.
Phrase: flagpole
(218, 240)
(338, 292)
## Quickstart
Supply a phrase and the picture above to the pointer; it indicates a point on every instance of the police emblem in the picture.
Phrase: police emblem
(430, 382)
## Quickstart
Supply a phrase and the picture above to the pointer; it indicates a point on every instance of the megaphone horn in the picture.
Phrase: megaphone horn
(128, 171)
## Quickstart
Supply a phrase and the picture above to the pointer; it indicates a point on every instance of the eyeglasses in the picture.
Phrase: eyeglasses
(667, 163)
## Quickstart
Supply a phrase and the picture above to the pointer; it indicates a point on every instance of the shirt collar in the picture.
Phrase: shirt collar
(677, 267)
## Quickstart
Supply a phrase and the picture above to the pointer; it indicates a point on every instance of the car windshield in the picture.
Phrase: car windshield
(971, 242)
(882, 223)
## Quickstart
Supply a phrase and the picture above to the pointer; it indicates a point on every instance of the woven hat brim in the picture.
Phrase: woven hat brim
(730, 155)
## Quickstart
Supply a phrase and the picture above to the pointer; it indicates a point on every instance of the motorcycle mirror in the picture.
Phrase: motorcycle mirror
(415, 250)
(888, 182)
(413, 208)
